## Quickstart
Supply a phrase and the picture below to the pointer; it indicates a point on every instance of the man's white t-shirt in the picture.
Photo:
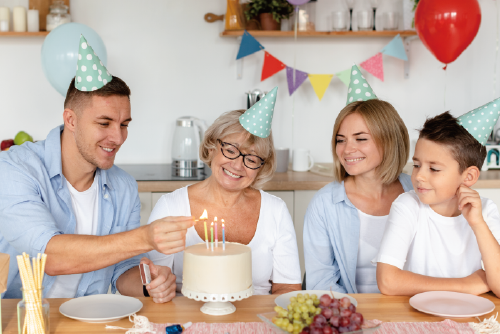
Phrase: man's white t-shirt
(86, 209)
(274, 247)
(370, 236)
(419, 240)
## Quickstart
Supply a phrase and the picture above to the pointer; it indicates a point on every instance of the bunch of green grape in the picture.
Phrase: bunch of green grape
(299, 313)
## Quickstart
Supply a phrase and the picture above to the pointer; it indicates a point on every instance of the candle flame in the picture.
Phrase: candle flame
(215, 218)
(222, 225)
(212, 224)
(222, 220)
(204, 215)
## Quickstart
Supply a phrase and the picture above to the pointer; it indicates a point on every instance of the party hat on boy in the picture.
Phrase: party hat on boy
(481, 121)
(257, 120)
(91, 74)
(359, 89)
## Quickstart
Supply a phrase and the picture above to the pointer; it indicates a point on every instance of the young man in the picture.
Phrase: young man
(439, 234)
(64, 197)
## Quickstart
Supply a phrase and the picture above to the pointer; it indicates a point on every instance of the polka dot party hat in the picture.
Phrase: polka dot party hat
(90, 71)
(359, 89)
(481, 121)
(257, 120)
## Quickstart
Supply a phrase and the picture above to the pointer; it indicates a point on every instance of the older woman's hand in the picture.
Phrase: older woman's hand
(168, 235)
(162, 286)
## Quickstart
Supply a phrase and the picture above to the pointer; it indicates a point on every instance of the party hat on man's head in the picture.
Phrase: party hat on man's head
(359, 89)
(90, 71)
(481, 121)
(257, 120)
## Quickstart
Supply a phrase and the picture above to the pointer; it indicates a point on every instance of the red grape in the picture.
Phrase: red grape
(345, 302)
(343, 329)
(357, 318)
(335, 321)
(319, 320)
(335, 303)
(345, 313)
(336, 311)
(327, 312)
(335, 331)
(325, 300)
(344, 322)
(327, 330)
(352, 308)
(316, 330)
(354, 327)
(305, 330)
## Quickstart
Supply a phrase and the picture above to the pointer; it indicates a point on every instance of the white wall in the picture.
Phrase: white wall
(176, 64)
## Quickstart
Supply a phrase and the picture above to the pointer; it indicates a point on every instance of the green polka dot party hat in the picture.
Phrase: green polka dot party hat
(257, 120)
(91, 74)
(359, 89)
(481, 121)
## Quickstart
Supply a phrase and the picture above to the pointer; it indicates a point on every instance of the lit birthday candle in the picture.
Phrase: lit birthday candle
(216, 234)
(212, 233)
(204, 216)
(223, 236)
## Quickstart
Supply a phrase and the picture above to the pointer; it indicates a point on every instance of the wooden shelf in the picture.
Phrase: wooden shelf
(278, 33)
(24, 34)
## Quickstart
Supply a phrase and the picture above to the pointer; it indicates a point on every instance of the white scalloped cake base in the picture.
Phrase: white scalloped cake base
(217, 303)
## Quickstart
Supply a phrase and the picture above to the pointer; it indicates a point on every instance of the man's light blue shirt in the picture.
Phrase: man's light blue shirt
(331, 238)
(35, 205)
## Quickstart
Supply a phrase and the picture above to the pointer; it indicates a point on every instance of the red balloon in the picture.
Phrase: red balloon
(447, 27)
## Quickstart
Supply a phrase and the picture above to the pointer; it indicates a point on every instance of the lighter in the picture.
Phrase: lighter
(177, 329)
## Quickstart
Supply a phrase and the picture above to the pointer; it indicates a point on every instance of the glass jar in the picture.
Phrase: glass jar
(388, 14)
(24, 305)
(306, 17)
(362, 15)
(341, 16)
(58, 15)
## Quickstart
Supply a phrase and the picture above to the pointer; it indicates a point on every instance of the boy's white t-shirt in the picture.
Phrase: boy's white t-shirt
(420, 240)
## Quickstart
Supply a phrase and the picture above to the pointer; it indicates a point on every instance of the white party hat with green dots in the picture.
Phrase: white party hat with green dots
(481, 121)
(257, 120)
(90, 71)
(359, 89)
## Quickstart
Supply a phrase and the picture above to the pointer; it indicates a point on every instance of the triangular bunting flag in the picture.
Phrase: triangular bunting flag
(271, 66)
(374, 66)
(320, 83)
(248, 45)
(300, 77)
(344, 76)
(395, 48)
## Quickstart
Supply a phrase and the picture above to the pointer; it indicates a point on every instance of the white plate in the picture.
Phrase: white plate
(100, 308)
(451, 304)
(284, 300)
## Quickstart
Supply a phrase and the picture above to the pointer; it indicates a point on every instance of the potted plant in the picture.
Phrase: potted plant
(270, 12)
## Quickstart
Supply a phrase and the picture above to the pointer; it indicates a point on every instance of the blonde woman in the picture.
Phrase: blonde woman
(240, 162)
(345, 220)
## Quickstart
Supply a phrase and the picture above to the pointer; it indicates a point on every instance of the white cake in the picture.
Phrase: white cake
(218, 271)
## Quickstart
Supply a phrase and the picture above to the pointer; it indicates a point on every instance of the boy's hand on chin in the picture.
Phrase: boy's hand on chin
(469, 203)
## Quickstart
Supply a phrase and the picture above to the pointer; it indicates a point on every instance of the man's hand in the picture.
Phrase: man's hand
(469, 203)
(162, 286)
(168, 235)
(477, 283)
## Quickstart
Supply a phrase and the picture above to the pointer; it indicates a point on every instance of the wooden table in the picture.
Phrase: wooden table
(182, 310)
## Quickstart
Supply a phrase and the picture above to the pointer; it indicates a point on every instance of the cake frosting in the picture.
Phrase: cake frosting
(218, 271)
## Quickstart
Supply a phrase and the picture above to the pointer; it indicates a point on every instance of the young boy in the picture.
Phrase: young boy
(438, 234)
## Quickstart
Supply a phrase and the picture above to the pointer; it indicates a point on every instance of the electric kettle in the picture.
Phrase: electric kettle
(188, 134)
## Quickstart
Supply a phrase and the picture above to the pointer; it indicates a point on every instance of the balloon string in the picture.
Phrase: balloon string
(294, 61)
(496, 57)
(445, 77)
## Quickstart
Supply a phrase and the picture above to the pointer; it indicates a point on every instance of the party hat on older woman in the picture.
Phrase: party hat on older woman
(359, 89)
(481, 121)
(91, 74)
(257, 120)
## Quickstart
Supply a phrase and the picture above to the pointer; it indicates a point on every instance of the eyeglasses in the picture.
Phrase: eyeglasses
(232, 152)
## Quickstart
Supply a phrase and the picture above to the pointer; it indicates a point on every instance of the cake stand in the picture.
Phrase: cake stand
(217, 303)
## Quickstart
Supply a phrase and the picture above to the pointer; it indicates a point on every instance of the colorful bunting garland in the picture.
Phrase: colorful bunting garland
(373, 65)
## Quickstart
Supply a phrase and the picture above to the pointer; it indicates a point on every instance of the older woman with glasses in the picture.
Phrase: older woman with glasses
(240, 162)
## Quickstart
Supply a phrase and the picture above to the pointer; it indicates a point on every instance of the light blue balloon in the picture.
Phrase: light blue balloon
(60, 53)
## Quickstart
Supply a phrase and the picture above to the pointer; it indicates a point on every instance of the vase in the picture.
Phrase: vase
(268, 22)
(388, 16)
(362, 15)
(341, 16)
